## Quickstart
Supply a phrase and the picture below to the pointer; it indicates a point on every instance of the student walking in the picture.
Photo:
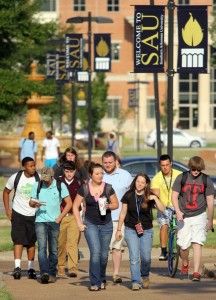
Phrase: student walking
(190, 200)
(136, 214)
(28, 147)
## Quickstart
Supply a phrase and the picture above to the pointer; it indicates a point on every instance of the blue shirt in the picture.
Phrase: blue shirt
(28, 148)
(120, 180)
(50, 195)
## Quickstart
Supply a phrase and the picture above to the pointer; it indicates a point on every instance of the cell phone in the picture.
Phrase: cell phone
(39, 202)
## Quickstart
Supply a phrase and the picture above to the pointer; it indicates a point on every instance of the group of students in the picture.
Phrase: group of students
(64, 202)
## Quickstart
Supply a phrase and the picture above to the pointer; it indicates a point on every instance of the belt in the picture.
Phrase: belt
(68, 214)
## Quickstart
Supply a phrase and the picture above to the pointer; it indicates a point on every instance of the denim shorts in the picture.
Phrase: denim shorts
(164, 218)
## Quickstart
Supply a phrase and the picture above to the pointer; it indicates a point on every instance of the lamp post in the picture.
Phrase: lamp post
(89, 19)
(137, 89)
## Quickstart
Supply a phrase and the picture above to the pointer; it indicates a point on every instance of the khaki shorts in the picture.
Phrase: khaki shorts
(192, 230)
(116, 244)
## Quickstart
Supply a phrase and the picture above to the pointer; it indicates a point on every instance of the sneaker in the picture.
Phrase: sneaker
(117, 279)
(52, 279)
(44, 278)
(94, 288)
(103, 285)
(136, 287)
(184, 271)
(17, 273)
(145, 283)
(31, 274)
(163, 256)
(196, 276)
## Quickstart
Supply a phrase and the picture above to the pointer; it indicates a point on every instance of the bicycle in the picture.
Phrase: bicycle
(173, 248)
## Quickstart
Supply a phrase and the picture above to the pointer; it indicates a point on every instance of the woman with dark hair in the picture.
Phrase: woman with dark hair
(136, 213)
(97, 227)
(70, 154)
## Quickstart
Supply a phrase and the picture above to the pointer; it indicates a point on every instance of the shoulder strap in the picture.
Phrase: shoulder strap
(36, 175)
(108, 189)
(183, 180)
(17, 179)
(205, 177)
(85, 189)
(58, 184)
(24, 141)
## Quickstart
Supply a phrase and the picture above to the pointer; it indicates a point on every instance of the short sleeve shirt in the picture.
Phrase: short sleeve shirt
(92, 209)
(22, 195)
(134, 208)
(28, 148)
(120, 181)
(51, 147)
(164, 184)
(53, 199)
(192, 199)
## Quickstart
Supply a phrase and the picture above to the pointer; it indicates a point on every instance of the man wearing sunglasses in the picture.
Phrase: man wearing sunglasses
(190, 202)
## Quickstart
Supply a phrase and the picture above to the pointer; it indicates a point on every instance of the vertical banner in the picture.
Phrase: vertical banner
(61, 76)
(102, 52)
(82, 76)
(132, 101)
(149, 39)
(193, 39)
(73, 52)
(50, 64)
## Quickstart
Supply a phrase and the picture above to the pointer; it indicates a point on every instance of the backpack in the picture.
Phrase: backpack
(110, 146)
(184, 179)
(17, 179)
(58, 185)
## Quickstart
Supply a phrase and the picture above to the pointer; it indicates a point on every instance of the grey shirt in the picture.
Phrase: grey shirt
(192, 199)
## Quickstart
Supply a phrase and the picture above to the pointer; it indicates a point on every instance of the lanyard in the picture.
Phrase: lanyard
(168, 187)
(138, 203)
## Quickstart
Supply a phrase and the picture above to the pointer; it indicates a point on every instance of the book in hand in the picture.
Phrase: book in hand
(39, 202)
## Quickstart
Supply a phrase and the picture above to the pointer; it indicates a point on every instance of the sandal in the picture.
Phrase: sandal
(94, 288)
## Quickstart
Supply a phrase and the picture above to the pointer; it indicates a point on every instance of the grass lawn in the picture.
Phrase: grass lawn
(4, 295)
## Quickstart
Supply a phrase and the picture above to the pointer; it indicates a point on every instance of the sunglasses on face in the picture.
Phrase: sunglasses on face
(194, 170)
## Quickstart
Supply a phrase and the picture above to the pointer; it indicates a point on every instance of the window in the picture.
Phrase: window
(112, 5)
(188, 100)
(79, 5)
(115, 51)
(151, 109)
(113, 109)
(48, 5)
(184, 2)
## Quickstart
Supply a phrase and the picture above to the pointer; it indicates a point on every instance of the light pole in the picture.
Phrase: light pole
(89, 19)
(137, 89)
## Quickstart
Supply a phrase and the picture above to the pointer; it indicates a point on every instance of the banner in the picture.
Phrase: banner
(50, 64)
(132, 101)
(83, 76)
(193, 39)
(102, 52)
(61, 76)
(148, 39)
(73, 52)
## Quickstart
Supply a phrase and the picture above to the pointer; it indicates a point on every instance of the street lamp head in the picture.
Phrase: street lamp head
(77, 20)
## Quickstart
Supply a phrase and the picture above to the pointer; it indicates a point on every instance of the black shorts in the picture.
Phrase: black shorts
(23, 229)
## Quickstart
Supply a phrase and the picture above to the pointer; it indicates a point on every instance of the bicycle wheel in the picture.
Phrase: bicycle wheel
(173, 254)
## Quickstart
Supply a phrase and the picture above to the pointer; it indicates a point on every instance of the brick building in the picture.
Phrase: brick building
(193, 94)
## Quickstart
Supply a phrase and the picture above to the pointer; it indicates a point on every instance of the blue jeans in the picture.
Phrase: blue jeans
(98, 238)
(139, 249)
(47, 234)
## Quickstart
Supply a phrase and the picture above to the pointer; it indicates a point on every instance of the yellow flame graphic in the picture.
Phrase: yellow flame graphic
(192, 33)
(81, 94)
(102, 48)
(85, 64)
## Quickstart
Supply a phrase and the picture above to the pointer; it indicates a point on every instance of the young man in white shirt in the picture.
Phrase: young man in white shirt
(51, 150)
(22, 216)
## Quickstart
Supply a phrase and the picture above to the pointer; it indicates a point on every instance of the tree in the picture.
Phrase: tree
(22, 40)
(99, 103)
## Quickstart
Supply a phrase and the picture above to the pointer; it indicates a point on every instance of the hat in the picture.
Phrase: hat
(46, 173)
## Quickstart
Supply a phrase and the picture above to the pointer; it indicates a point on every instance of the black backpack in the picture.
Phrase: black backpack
(86, 189)
(17, 179)
(184, 179)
